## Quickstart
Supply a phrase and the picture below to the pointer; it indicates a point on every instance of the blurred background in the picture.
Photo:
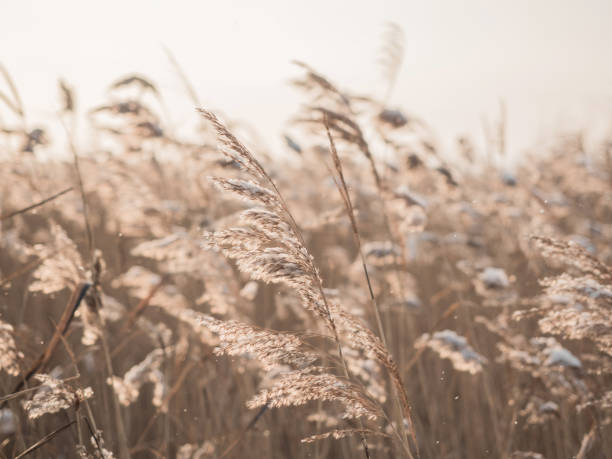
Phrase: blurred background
(547, 60)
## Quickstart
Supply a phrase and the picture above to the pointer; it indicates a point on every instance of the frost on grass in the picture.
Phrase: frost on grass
(576, 303)
(8, 421)
(380, 253)
(449, 345)
(494, 278)
(538, 411)
(561, 356)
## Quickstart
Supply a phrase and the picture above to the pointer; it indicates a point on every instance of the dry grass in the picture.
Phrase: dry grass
(190, 296)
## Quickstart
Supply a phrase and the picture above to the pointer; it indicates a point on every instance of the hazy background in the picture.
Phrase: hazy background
(549, 60)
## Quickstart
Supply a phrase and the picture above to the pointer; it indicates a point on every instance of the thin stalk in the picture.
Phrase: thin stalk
(35, 205)
(346, 198)
(75, 157)
(400, 396)
(47, 438)
(77, 417)
(123, 443)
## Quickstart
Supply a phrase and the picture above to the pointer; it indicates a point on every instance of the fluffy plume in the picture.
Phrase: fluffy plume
(10, 357)
(247, 190)
(53, 396)
(269, 347)
(300, 387)
(62, 266)
(449, 345)
(575, 306)
(191, 451)
(147, 371)
(233, 148)
(572, 254)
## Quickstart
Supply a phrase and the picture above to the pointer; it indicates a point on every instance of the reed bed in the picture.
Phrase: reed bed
(187, 294)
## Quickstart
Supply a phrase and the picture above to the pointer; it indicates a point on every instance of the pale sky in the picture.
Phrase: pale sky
(550, 60)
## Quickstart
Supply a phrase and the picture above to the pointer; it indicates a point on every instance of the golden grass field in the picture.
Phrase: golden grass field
(362, 294)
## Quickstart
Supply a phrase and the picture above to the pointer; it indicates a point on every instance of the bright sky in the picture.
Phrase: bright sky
(549, 59)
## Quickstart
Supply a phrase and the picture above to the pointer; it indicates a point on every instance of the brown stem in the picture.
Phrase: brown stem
(35, 205)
